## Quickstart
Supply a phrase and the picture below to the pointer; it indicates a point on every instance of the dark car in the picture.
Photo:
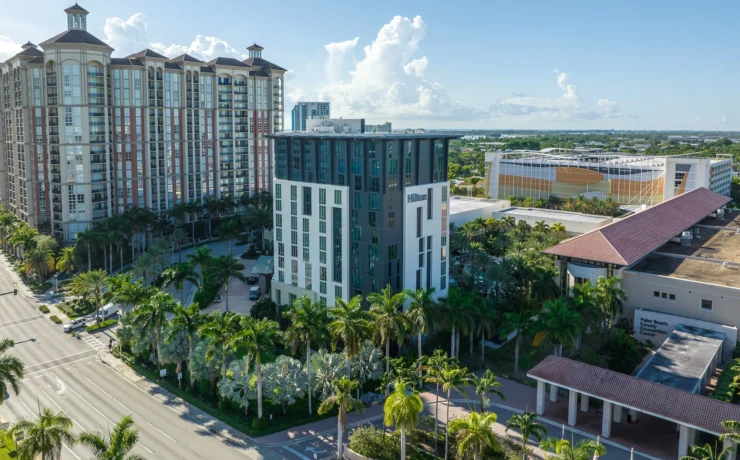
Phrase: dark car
(255, 293)
(253, 280)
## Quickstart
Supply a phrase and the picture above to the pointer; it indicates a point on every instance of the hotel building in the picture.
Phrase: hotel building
(626, 179)
(355, 212)
(84, 135)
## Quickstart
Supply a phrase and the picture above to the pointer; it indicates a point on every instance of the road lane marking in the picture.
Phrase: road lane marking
(21, 319)
(85, 401)
(128, 409)
(36, 416)
(296, 453)
(59, 407)
(59, 365)
(24, 322)
(57, 359)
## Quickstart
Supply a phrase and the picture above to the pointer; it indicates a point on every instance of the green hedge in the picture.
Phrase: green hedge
(55, 319)
(728, 382)
(206, 293)
(101, 325)
(44, 309)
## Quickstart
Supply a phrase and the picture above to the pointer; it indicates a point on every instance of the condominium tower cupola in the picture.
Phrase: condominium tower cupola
(76, 17)
(255, 51)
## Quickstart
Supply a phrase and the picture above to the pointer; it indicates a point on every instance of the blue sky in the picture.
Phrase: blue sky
(489, 64)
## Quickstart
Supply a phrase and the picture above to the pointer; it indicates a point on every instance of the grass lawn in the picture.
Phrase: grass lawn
(7, 449)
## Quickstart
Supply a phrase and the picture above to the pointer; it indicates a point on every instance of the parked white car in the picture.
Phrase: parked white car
(74, 324)
(106, 312)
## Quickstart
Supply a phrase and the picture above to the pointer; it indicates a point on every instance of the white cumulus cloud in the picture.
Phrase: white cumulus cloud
(337, 53)
(130, 35)
(417, 67)
(8, 48)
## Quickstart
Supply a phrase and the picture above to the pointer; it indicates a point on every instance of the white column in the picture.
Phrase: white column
(685, 438)
(572, 407)
(729, 444)
(584, 403)
(606, 420)
(617, 414)
(553, 393)
(540, 397)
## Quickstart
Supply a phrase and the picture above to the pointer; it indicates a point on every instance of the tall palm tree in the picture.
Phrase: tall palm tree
(91, 283)
(39, 261)
(117, 445)
(485, 317)
(152, 315)
(45, 436)
(221, 329)
(558, 323)
(519, 322)
(193, 208)
(128, 292)
(707, 452)
(341, 397)
(498, 278)
(390, 322)
(66, 262)
(179, 237)
(309, 323)
(177, 213)
(202, 258)
(528, 426)
(228, 231)
(458, 316)
(474, 433)
(486, 383)
(609, 296)
(258, 337)
(435, 365)
(733, 431)
(419, 313)
(211, 205)
(402, 408)
(11, 370)
(565, 450)
(145, 265)
(87, 240)
(188, 321)
(351, 325)
(452, 377)
(225, 268)
(178, 275)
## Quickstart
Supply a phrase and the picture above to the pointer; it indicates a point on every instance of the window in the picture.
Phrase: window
(322, 274)
(337, 197)
(278, 191)
(338, 291)
(656, 294)
(392, 251)
(322, 226)
(419, 218)
(358, 200)
(429, 203)
(664, 295)
(706, 304)
(307, 201)
(322, 196)
(322, 287)
(293, 192)
(305, 225)
(322, 212)
(579, 280)
(672, 296)
(278, 220)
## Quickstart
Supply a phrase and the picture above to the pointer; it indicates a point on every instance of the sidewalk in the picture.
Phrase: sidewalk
(229, 435)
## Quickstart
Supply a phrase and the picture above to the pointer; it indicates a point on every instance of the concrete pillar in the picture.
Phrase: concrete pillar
(685, 439)
(633, 415)
(727, 444)
(553, 393)
(572, 407)
(606, 420)
(617, 410)
(584, 403)
(540, 397)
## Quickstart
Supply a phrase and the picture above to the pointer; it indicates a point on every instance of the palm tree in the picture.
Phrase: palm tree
(733, 431)
(351, 325)
(486, 383)
(90, 283)
(485, 317)
(474, 433)
(527, 425)
(66, 262)
(228, 231)
(178, 275)
(87, 240)
(498, 277)
(177, 212)
(707, 452)
(44, 437)
(419, 313)
(565, 450)
(342, 398)
(519, 322)
(188, 321)
(11, 370)
(178, 238)
(193, 208)
(202, 258)
(436, 364)
(258, 337)
(115, 446)
(402, 409)
(558, 228)
(458, 316)
(152, 315)
(558, 323)
(144, 265)
(39, 261)
(211, 205)
(609, 296)
(390, 321)
(308, 323)
(130, 293)
(221, 329)
(452, 377)
(225, 268)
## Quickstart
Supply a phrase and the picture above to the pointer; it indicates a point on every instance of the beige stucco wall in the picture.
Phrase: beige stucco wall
(689, 294)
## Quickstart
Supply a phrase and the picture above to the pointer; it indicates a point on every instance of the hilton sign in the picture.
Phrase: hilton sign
(414, 197)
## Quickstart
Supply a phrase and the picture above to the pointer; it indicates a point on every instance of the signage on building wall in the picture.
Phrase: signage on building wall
(414, 197)
(653, 327)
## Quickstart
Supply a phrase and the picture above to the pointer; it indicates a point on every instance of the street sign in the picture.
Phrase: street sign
(163, 373)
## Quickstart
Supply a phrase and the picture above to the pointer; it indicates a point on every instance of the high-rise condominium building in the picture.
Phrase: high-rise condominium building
(302, 111)
(85, 135)
(626, 179)
(356, 212)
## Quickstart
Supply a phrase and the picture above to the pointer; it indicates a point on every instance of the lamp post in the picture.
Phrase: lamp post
(56, 283)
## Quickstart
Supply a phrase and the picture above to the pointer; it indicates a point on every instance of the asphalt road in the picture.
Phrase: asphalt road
(63, 373)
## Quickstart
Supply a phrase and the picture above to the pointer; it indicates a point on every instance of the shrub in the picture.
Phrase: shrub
(205, 294)
(44, 309)
(55, 319)
(728, 382)
(371, 442)
(260, 423)
(250, 253)
(622, 352)
(101, 325)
